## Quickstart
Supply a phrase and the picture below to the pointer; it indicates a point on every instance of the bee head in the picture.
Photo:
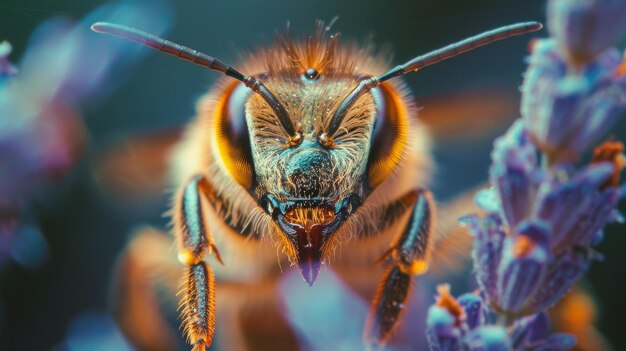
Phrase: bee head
(307, 180)
(310, 187)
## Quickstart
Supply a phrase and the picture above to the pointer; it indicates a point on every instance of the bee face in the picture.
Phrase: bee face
(310, 184)
(310, 188)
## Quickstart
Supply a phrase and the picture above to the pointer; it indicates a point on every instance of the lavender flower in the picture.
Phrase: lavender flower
(526, 268)
(449, 328)
(566, 113)
(545, 213)
(584, 28)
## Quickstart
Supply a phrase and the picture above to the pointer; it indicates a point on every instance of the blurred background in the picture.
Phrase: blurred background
(55, 280)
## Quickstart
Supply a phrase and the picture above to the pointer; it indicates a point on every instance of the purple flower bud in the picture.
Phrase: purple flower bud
(562, 274)
(487, 250)
(6, 68)
(584, 28)
(488, 338)
(513, 173)
(533, 333)
(576, 210)
(474, 309)
(524, 263)
(530, 330)
(441, 330)
(588, 102)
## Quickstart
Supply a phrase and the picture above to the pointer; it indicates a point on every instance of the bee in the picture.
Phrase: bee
(319, 148)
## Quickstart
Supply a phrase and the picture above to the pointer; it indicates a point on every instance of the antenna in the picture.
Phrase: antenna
(428, 59)
(200, 59)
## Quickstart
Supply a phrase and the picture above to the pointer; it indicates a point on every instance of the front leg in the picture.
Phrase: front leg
(409, 256)
(194, 240)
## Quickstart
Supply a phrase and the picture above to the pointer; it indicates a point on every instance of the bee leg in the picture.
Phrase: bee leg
(194, 239)
(409, 255)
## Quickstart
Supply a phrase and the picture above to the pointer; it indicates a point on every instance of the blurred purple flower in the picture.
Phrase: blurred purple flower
(585, 28)
(567, 112)
(6, 68)
(65, 67)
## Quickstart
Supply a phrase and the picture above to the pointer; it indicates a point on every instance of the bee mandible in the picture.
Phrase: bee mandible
(320, 145)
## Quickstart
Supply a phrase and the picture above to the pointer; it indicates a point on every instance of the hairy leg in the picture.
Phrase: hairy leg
(408, 255)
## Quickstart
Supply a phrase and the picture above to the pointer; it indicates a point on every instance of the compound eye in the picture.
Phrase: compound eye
(388, 135)
(233, 140)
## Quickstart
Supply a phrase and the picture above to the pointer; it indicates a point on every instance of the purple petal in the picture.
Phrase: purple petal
(561, 108)
(474, 310)
(586, 27)
(600, 112)
(513, 173)
(566, 113)
(521, 273)
(487, 251)
(441, 331)
(306, 308)
(529, 330)
(576, 210)
(487, 200)
(562, 274)
(546, 69)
